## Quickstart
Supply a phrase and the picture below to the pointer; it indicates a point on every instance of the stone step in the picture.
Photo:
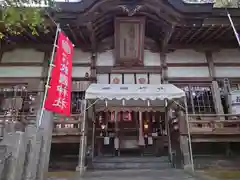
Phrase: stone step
(131, 159)
(138, 174)
(130, 163)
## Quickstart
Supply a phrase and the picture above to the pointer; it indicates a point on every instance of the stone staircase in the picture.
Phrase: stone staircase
(138, 174)
(112, 163)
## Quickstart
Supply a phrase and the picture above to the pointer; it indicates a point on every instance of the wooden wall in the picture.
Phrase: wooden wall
(32, 63)
(150, 73)
(107, 58)
(180, 64)
(187, 64)
(227, 63)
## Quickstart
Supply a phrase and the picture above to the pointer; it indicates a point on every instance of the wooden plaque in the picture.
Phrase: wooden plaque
(129, 41)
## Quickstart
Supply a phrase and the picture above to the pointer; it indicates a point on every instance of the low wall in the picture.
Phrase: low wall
(24, 155)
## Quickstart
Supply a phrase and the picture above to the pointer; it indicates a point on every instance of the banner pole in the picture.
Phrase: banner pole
(233, 27)
(48, 77)
(83, 139)
(231, 22)
(189, 135)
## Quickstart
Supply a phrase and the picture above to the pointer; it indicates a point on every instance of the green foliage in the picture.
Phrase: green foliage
(226, 3)
(18, 16)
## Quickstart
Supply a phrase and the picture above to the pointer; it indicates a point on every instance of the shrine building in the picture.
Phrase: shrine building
(127, 44)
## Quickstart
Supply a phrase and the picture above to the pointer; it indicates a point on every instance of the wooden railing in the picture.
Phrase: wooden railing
(220, 124)
(67, 126)
(62, 126)
(14, 123)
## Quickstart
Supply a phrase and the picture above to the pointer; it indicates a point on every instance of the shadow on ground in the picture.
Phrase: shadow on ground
(61, 175)
(220, 167)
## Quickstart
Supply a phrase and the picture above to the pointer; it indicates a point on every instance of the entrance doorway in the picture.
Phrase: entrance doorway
(115, 138)
(130, 134)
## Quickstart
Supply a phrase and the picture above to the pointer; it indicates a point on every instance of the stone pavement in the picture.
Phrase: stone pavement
(167, 174)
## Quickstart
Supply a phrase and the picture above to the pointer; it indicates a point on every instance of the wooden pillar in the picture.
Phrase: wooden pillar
(93, 130)
(94, 53)
(184, 146)
(47, 56)
(183, 139)
(93, 78)
(83, 142)
(141, 140)
(168, 115)
(215, 88)
(116, 139)
(164, 67)
(93, 68)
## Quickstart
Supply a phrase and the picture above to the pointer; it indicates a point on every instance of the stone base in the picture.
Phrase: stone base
(81, 170)
(127, 163)
(188, 167)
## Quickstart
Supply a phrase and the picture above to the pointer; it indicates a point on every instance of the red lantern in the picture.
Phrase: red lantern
(142, 80)
(116, 80)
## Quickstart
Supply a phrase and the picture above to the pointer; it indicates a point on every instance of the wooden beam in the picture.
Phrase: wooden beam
(84, 19)
(220, 139)
(93, 74)
(203, 34)
(184, 80)
(170, 15)
(82, 36)
(73, 34)
(144, 69)
(214, 34)
(186, 34)
(194, 35)
(1, 51)
(167, 37)
(40, 47)
(44, 46)
(92, 37)
(164, 68)
(100, 24)
(155, 18)
(221, 21)
(187, 64)
(219, 34)
(104, 28)
(205, 47)
(209, 58)
(45, 64)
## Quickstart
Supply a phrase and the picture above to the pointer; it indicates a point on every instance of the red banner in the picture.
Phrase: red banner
(59, 93)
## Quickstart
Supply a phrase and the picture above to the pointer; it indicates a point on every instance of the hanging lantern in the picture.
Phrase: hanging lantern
(145, 126)
(175, 124)
(116, 80)
(127, 116)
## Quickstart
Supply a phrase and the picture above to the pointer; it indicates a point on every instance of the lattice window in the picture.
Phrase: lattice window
(233, 86)
(202, 99)
(76, 109)
(16, 100)
(199, 98)
(186, 89)
(76, 105)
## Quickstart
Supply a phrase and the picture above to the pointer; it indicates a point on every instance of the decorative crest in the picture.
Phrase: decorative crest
(130, 10)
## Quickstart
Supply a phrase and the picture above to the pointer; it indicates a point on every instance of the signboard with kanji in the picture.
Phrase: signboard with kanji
(234, 102)
(59, 93)
(216, 3)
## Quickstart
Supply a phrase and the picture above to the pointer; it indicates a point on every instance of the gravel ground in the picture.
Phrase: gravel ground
(169, 174)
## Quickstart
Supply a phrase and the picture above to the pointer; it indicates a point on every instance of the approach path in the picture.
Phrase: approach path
(167, 174)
